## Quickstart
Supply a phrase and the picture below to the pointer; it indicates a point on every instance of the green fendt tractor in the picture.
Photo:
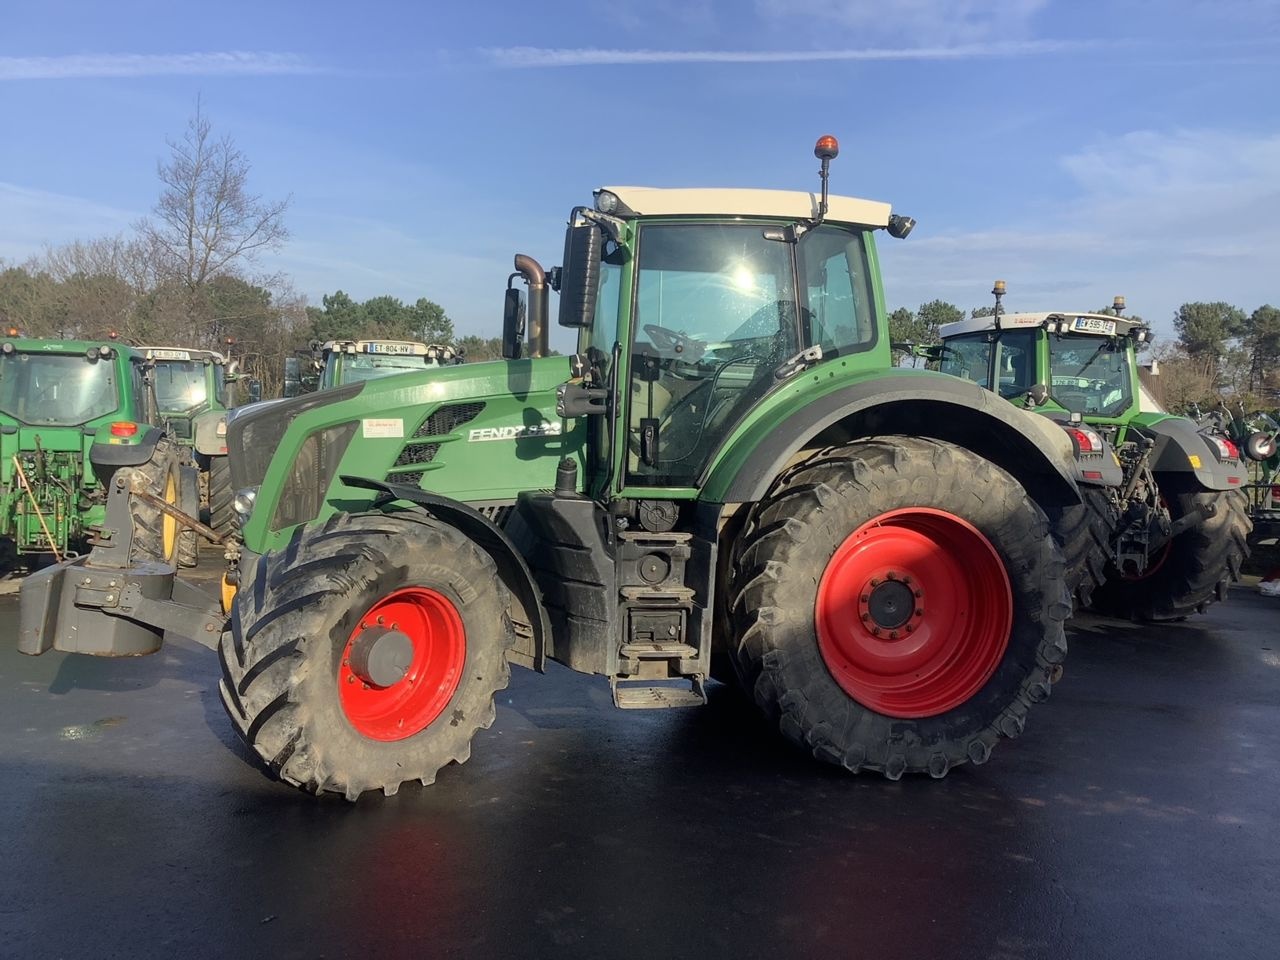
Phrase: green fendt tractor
(72, 414)
(337, 362)
(728, 472)
(192, 391)
(1171, 537)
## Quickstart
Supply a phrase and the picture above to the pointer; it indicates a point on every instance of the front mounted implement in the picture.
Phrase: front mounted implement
(102, 604)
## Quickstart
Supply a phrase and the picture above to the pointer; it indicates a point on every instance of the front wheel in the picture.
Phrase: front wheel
(898, 605)
(367, 653)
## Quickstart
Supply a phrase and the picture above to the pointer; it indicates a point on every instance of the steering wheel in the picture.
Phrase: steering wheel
(684, 347)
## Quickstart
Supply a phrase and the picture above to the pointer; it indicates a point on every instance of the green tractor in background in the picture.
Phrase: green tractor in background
(73, 413)
(337, 362)
(729, 475)
(1171, 537)
(193, 392)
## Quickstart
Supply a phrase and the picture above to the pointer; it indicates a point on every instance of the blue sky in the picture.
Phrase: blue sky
(1076, 149)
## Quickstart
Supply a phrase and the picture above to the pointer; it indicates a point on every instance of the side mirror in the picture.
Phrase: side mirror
(512, 324)
(1037, 395)
(580, 274)
(255, 391)
(292, 377)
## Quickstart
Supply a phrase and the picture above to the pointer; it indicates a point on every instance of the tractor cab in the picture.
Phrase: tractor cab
(1084, 361)
(338, 362)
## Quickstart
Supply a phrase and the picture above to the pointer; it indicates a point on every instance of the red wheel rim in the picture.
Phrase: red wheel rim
(914, 612)
(439, 645)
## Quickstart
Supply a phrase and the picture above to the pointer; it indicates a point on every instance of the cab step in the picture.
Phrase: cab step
(630, 695)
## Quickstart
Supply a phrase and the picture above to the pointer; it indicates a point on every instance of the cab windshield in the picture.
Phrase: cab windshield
(1090, 375)
(342, 368)
(51, 389)
(180, 385)
(716, 314)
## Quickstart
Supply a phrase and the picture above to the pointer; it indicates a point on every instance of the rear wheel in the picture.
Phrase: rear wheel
(222, 516)
(1192, 570)
(898, 605)
(156, 535)
(367, 653)
(1084, 533)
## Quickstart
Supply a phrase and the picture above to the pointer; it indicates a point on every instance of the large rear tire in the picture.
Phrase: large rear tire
(1084, 534)
(156, 535)
(300, 657)
(898, 605)
(1195, 568)
(222, 516)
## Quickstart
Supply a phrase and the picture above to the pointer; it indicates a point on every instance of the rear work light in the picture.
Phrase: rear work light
(124, 428)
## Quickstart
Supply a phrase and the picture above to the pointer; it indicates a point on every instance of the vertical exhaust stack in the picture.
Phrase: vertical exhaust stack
(536, 279)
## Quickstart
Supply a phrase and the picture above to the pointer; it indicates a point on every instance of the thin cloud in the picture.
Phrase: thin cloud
(539, 57)
(107, 65)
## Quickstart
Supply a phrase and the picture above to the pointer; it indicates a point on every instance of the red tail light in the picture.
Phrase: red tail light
(1086, 440)
(124, 428)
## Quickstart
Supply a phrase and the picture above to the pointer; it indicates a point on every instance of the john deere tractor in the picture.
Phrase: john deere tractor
(1171, 537)
(192, 391)
(728, 475)
(73, 413)
(335, 362)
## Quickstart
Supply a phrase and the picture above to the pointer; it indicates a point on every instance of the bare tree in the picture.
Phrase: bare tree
(206, 222)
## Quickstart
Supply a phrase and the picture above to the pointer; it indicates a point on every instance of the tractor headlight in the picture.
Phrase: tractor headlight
(309, 476)
(242, 504)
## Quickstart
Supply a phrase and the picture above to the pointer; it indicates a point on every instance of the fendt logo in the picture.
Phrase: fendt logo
(515, 433)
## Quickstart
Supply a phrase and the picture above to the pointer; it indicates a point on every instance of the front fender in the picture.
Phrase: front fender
(919, 403)
(513, 570)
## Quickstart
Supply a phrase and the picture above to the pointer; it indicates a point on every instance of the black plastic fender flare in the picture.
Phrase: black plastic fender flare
(512, 567)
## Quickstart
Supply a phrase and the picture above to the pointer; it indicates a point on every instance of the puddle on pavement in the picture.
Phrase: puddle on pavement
(90, 731)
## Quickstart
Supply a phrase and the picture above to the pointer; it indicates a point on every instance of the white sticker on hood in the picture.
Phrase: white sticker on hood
(390, 427)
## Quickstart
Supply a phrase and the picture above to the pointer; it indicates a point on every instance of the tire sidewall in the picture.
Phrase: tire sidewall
(449, 733)
(1021, 539)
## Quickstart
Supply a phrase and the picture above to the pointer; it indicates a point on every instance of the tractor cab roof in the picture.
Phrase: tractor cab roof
(721, 202)
(1098, 324)
(183, 354)
(401, 347)
(83, 347)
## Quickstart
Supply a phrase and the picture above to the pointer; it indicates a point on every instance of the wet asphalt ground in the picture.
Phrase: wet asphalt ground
(1138, 816)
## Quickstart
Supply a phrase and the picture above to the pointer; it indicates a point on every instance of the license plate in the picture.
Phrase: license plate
(400, 348)
(170, 355)
(1094, 325)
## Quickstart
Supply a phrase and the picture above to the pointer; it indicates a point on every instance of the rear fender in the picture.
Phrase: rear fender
(209, 433)
(1181, 450)
(106, 458)
(1031, 448)
(512, 569)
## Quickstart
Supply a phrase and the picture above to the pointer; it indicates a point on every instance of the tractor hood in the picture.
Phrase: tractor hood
(477, 432)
